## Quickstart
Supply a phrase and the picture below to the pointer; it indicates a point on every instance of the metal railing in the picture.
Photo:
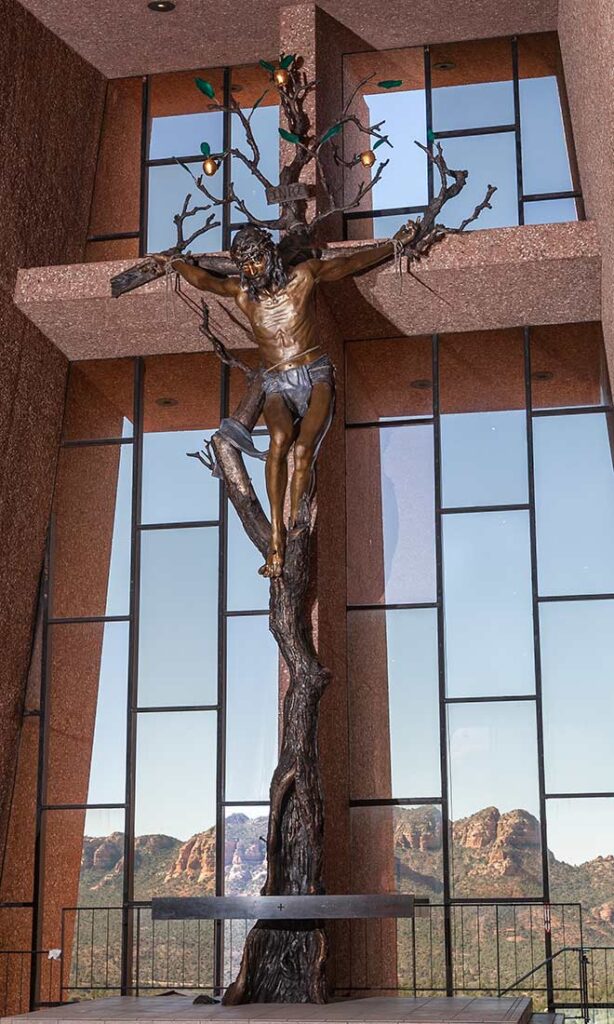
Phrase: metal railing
(492, 946)
(591, 994)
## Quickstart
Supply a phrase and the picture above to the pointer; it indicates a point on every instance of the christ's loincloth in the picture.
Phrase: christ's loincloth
(295, 385)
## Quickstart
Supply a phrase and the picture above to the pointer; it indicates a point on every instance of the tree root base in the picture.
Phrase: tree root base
(281, 964)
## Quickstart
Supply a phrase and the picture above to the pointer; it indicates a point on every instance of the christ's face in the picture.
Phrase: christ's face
(256, 264)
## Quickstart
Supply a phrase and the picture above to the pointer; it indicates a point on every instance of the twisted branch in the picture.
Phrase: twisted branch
(179, 218)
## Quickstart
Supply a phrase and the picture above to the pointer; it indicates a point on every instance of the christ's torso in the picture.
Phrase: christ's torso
(283, 321)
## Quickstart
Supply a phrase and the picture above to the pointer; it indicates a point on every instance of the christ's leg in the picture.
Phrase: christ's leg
(282, 432)
(313, 426)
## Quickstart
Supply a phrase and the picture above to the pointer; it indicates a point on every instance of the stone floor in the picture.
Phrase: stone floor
(395, 1010)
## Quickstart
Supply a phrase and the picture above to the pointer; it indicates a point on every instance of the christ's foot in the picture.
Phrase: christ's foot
(274, 564)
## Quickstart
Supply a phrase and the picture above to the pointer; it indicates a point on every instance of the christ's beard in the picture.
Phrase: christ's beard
(273, 277)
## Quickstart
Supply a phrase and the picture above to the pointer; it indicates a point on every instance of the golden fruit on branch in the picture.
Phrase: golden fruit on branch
(210, 166)
(367, 158)
(281, 77)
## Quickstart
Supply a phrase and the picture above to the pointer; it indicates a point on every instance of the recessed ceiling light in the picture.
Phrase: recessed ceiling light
(542, 375)
(161, 5)
(165, 402)
(422, 384)
(444, 65)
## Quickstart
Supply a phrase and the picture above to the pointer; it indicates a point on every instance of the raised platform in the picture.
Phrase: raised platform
(381, 1010)
(501, 277)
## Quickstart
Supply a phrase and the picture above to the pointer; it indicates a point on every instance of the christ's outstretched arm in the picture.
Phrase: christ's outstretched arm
(198, 277)
(344, 266)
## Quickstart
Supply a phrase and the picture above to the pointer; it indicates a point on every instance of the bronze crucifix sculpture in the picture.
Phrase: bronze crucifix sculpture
(274, 286)
(299, 380)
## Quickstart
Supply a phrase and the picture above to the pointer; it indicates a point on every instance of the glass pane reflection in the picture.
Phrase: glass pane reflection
(180, 114)
(181, 134)
(577, 658)
(472, 85)
(484, 458)
(250, 84)
(494, 798)
(488, 604)
(545, 162)
(394, 703)
(490, 159)
(91, 539)
(175, 795)
(252, 702)
(99, 401)
(83, 867)
(389, 379)
(86, 753)
(404, 182)
(568, 366)
(574, 497)
(176, 488)
(167, 188)
(551, 211)
(391, 519)
(247, 590)
(178, 628)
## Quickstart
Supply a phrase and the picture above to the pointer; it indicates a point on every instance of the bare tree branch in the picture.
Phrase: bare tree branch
(363, 189)
(484, 205)
(229, 200)
(179, 218)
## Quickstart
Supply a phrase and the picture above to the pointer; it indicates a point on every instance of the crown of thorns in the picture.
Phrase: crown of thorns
(251, 243)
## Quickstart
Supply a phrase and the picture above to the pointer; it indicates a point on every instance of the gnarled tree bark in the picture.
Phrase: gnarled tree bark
(285, 963)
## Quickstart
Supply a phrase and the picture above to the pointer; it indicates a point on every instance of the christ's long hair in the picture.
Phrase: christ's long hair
(250, 242)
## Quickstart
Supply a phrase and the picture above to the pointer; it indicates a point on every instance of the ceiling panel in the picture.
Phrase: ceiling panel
(123, 37)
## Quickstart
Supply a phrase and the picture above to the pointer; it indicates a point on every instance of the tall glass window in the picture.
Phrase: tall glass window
(479, 714)
(160, 738)
(154, 126)
(496, 106)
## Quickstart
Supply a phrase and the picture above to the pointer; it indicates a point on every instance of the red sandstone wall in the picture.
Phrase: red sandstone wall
(586, 34)
(51, 110)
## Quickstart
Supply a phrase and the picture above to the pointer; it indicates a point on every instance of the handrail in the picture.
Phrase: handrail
(583, 962)
(544, 963)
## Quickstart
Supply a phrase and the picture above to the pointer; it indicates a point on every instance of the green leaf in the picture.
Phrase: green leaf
(205, 87)
(205, 149)
(430, 136)
(336, 128)
(391, 83)
(286, 62)
(267, 67)
(380, 142)
(289, 136)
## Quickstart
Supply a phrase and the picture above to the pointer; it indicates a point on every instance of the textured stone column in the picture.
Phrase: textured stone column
(52, 105)
(586, 33)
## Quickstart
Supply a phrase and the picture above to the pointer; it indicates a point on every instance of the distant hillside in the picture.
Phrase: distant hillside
(494, 854)
(166, 866)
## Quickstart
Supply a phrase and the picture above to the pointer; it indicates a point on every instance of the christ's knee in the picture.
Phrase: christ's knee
(303, 457)
(279, 445)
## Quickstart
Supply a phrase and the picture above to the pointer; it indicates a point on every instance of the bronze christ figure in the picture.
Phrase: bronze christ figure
(299, 379)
